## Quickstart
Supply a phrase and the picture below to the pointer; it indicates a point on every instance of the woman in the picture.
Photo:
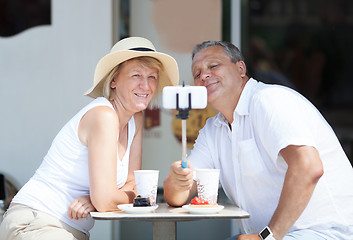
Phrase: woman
(91, 161)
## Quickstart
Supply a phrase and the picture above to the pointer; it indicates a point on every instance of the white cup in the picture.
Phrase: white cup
(207, 184)
(147, 184)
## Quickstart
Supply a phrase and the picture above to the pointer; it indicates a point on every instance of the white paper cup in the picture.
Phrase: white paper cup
(207, 184)
(146, 184)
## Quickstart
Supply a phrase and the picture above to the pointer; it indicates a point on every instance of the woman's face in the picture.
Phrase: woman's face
(135, 85)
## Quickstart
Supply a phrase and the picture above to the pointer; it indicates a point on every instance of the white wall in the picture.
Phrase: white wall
(44, 72)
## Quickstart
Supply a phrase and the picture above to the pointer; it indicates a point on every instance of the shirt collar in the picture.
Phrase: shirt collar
(220, 120)
(243, 104)
(244, 100)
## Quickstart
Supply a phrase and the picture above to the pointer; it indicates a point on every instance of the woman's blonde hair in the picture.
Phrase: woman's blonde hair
(150, 62)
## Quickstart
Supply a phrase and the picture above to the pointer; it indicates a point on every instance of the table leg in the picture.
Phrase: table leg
(164, 230)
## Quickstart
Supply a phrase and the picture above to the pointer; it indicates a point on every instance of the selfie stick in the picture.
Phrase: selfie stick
(183, 115)
(184, 98)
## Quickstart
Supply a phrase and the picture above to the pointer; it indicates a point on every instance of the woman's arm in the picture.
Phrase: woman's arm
(135, 161)
(99, 130)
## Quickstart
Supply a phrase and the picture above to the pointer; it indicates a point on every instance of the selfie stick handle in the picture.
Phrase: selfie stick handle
(184, 163)
(183, 115)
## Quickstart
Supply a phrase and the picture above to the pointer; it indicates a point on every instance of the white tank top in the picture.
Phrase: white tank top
(63, 175)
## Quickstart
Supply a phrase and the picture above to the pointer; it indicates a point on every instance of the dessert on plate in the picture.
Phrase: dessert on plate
(199, 203)
(141, 202)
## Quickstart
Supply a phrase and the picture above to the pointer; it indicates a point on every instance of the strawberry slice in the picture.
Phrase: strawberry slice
(198, 201)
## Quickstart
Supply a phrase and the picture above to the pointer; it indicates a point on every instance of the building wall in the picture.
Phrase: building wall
(44, 72)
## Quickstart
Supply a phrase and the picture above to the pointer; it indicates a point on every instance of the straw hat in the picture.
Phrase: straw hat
(126, 49)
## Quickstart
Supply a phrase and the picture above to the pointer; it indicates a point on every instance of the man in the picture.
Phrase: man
(279, 159)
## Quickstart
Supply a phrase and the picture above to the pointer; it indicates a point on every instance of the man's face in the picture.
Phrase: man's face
(212, 68)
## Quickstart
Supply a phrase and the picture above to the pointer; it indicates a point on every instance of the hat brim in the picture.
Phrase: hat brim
(168, 77)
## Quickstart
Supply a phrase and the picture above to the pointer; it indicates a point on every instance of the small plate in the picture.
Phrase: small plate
(203, 210)
(129, 208)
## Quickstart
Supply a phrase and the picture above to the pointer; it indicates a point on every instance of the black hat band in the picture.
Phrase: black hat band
(142, 49)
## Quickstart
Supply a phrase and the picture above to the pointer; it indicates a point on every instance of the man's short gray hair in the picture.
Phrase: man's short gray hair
(232, 51)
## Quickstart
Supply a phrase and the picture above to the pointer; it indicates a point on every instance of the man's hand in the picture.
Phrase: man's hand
(80, 207)
(179, 185)
(249, 237)
(181, 178)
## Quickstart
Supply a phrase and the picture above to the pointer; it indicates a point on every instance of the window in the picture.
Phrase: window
(18, 15)
(308, 46)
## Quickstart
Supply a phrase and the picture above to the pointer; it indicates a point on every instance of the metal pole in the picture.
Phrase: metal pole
(183, 140)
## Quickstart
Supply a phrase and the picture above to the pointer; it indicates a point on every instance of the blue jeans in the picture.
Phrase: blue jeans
(296, 235)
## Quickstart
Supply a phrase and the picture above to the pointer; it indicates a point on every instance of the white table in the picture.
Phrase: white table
(165, 218)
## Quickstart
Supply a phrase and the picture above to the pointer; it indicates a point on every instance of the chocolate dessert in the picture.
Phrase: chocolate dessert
(141, 202)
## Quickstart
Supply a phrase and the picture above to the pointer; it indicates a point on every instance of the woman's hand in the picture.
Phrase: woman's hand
(80, 207)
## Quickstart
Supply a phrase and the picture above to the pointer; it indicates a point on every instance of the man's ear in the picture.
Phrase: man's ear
(242, 68)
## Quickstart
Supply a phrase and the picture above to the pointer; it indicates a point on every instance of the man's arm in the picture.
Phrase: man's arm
(304, 171)
(179, 185)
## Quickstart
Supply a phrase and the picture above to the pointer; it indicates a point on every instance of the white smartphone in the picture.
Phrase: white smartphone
(194, 97)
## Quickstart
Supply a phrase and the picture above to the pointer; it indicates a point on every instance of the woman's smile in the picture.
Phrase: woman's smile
(142, 95)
